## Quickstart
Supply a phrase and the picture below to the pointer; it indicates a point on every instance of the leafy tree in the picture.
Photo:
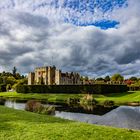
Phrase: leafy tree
(20, 82)
(18, 76)
(117, 78)
(133, 79)
(14, 71)
(8, 87)
(100, 79)
(4, 80)
(1, 80)
(86, 78)
(107, 78)
(10, 80)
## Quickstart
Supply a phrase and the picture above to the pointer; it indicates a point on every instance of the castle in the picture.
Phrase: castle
(51, 76)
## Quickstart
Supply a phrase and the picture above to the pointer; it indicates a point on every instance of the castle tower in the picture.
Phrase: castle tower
(58, 77)
(31, 78)
(41, 74)
(51, 75)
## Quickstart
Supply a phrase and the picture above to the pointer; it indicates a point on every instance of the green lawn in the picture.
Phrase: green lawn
(22, 125)
(119, 98)
(48, 97)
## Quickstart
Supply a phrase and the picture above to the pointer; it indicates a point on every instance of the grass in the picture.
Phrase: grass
(118, 98)
(60, 98)
(21, 125)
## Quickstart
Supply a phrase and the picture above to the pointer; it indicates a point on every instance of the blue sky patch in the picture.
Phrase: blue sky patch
(104, 24)
(83, 6)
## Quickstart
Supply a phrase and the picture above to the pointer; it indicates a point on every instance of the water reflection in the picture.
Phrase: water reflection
(15, 105)
(75, 116)
(123, 117)
(88, 107)
(76, 108)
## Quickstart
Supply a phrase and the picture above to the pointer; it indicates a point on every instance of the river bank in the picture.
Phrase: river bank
(128, 98)
(22, 125)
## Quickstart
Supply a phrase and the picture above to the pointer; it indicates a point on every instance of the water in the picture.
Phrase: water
(87, 109)
(15, 105)
(122, 117)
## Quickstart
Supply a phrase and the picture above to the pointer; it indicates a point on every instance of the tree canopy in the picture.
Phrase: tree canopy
(117, 77)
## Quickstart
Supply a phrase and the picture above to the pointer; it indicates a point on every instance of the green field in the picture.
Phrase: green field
(22, 125)
(118, 98)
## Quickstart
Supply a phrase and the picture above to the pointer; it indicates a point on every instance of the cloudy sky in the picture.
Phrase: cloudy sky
(93, 37)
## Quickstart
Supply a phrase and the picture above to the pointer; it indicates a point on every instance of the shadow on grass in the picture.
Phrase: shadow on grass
(5, 126)
(9, 116)
(119, 94)
(31, 117)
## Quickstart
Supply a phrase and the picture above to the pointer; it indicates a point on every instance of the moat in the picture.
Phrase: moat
(123, 117)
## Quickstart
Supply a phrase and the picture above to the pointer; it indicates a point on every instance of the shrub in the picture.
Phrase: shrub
(72, 101)
(109, 103)
(88, 100)
(49, 110)
(37, 107)
(30, 105)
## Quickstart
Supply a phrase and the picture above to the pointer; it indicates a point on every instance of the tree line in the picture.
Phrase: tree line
(114, 79)
(9, 80)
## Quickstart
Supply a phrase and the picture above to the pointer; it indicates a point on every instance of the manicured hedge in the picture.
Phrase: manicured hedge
(74, 89)
(134, 88)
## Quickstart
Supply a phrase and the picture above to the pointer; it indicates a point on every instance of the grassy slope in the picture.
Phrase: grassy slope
(117, 97)
(21, 125)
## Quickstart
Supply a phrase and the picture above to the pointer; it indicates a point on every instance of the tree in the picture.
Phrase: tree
(100, 79)
(18, 76)
(86, 78)
(107, 78)
(20, 82)
(1, 80)
(10, 80)
(8, 87)
(133, 78)
(117, 78)
(14, 71)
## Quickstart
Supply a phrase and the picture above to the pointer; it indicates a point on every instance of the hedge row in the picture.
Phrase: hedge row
(134, 88)
(74, 89)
